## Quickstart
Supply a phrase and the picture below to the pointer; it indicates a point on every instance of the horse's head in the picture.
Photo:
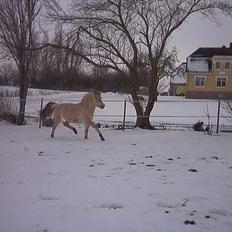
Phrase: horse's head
(98, 100)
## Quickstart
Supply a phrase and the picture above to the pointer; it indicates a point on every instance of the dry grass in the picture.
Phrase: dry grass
(9, 101)
(4, 92)
(227, 106)
(8, 106)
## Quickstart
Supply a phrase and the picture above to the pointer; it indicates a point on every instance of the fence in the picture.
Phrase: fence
(124, 112)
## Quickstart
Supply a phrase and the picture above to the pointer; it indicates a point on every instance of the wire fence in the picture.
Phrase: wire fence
(167, 111)
(122, 112)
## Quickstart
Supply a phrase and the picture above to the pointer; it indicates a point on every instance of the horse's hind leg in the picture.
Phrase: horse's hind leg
(66, 124)
(86, 130)
(92, 124)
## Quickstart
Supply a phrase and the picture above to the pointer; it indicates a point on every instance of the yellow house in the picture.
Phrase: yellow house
(178, 82)
(209, 73)
(177, 87)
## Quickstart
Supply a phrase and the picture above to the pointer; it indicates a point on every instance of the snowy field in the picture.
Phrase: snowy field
(168, 109)
(135, 181)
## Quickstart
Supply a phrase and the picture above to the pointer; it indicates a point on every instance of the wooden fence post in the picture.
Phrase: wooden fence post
(124, 116)
(41, 107)
(218, 114)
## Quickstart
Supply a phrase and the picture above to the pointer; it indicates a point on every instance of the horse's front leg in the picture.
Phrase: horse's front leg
(66, 124)
(92, 124)
(86, 130)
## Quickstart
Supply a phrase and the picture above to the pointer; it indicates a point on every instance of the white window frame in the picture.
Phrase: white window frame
(199, 77)
(218, 62)
(221, 77)
(227, 62)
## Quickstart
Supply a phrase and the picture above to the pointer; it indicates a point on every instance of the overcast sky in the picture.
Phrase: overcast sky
(198, 32)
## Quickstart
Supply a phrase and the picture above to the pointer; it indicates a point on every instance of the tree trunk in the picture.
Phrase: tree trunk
(142, 120)
(153, 94)
(23, 88)
(143, 117)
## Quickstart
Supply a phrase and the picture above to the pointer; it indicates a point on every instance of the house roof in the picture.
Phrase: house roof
(213, 51)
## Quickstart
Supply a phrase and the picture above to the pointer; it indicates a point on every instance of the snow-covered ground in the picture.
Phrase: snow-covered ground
(135, 181)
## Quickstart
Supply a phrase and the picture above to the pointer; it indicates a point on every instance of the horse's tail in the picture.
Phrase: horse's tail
(47, 111)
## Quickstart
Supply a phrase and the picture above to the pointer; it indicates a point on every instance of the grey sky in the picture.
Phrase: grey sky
(200, 32)
(197, 32)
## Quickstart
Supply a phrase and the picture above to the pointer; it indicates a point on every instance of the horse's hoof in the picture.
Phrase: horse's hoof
(75, 131)
(52, 136)
(102, 139)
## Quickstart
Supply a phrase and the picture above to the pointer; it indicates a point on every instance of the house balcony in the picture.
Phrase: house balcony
(199, 65)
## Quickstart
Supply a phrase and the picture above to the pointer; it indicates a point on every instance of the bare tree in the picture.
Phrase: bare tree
(17, 27)
(100, 75)
(8, 74)
(227, 106)
(57, 63)
(120, 34)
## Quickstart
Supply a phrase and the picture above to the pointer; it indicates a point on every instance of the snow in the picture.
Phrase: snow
(136, 181)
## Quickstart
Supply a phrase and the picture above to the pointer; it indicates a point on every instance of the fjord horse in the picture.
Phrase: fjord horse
(78, 113)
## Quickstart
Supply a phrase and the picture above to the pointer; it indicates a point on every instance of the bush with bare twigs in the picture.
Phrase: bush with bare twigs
(227, 106)
(8, 108)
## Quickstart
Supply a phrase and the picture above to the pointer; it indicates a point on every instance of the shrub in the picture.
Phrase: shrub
(8, 107)
(227, 106)
(198, 126)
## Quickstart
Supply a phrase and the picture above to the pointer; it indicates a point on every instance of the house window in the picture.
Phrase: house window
(221, 82)
(218, 65)
(227, 65)
(200, 81)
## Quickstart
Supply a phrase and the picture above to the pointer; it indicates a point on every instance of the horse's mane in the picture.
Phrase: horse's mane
(87, 97)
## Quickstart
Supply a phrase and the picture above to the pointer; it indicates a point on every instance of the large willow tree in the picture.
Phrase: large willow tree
(124, 35)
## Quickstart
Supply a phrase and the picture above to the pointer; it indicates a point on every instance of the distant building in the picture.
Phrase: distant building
(209, 73)
(178, 82)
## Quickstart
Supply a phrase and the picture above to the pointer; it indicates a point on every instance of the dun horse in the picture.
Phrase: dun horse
(77, 113)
